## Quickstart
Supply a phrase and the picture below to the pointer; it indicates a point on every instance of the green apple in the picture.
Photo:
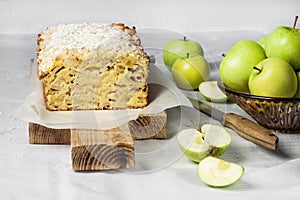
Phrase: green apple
(297, 95)
(178, 48)
(273, 77)
(211, 92)
(237, 65)
(216, 172)
(284, 43)
(263, 41)
(189, 72)
(211, 140)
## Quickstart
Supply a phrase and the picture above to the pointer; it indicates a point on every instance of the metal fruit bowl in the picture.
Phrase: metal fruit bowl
(278, 114)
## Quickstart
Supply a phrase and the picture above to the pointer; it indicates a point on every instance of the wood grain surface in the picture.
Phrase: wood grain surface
(102, 149)
(39, 134)
(251, 130)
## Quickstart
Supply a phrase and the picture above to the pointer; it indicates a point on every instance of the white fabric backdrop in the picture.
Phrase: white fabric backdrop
(161, 172)
(31, 16)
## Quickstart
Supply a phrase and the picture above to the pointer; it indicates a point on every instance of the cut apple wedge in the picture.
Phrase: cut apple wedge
(210, 91)
(210, 140)
(216, 172)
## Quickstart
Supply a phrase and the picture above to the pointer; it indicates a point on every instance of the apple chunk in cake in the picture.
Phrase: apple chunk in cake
(92, 66)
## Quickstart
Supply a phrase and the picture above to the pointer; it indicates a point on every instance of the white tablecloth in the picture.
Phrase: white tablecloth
(161, 171)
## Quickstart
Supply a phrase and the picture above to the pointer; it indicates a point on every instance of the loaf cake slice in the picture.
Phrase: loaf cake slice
(92, 66)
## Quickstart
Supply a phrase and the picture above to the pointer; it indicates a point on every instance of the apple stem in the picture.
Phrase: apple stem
(195, 125)
(223, 55)
(257, 69)
(187, 55)
(211, 150)
(184, 38)
(295, 22)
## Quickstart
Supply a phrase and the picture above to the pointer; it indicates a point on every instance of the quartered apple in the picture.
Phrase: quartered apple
(216, 172)
(211, 92)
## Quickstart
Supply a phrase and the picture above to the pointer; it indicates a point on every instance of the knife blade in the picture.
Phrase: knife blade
(244, 127)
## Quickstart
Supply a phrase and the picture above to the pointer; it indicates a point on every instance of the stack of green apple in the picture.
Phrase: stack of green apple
(269, 67)
(185, 59)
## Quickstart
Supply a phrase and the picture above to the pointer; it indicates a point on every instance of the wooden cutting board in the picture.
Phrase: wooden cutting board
(102, 149)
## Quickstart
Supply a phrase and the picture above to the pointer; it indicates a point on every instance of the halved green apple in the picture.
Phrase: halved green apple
(216, 172)
(211, 91)
(210, 140)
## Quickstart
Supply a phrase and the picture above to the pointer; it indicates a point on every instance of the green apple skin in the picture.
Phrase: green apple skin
(284, 43)
(297, 95)
(192, 155)
(178, 48)
(263, 41)
(273, 77)
(198, 156)
(188, 73)
(237, 65)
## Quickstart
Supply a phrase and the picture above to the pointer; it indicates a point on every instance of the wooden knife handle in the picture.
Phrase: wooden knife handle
(250, 130)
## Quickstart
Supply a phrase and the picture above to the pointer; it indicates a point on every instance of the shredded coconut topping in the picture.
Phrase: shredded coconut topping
(83, 38)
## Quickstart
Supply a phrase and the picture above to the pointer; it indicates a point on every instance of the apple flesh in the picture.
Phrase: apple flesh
(212, 140)
(237, 65)
(189, 72)
(178, 48)
(273, 77)
(216, 172)
(211, 92)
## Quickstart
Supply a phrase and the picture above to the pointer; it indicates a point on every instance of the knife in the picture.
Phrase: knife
(242, 126)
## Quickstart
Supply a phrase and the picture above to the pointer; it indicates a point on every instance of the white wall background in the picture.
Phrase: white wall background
(31, 16)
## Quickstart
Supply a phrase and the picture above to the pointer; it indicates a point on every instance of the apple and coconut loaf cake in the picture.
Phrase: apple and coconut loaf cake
(92, 66)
